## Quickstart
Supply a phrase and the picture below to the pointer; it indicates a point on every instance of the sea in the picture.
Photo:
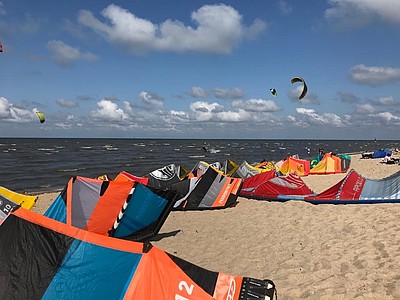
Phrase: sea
(31, 165)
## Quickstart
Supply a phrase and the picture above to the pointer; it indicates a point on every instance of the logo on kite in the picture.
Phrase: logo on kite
(40, 116)
(299, 79)
(274, 92)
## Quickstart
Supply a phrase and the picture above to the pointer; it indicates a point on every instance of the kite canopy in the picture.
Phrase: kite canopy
(274, 92)
(10, 199)
(304, 91)
(40, 116)
(45, 259)
(123, 209)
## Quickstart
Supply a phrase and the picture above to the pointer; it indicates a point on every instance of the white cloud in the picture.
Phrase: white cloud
(235, 93)
(374, 75)
(181, 115)
(66, 103)
(365, 108)
(128, 107)
(363, 11)
(9, 112)
(108, 111)
(204, 111)
(65, 55)
(198, 92)
(387, 116)
(312, 117)
(387, 101)
(151, 100)
(219, 29)
(256, 105)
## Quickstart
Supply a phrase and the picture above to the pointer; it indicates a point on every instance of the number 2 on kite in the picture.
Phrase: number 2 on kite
(183, 285)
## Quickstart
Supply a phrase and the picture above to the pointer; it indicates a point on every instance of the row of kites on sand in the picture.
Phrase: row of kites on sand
(94, 241)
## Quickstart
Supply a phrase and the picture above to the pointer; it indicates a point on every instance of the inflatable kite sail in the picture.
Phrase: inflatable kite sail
(332, 164)
(166, 176)
(352, 189)
(294, 165)
(246, 170)
(304, 90)
(229, 167)
(211, 190)
(357, 189)
(41, 116)
(125, 176)
(201, 167)
(76, 264)
(278, 188)
(124, 209)
(10, 199)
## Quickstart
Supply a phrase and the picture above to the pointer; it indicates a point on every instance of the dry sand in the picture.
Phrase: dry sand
(309, 251)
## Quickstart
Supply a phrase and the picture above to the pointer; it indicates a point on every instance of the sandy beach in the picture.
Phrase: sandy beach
(309, 251)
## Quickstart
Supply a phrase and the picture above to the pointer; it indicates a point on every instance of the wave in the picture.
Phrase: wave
(68, 170)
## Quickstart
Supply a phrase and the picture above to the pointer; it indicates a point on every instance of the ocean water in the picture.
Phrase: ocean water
(42, 165)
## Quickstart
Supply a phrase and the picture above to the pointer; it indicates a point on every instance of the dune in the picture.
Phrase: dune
(309, 251)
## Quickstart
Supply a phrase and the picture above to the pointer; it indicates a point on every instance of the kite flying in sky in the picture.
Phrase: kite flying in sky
(299, 79)
(40, 116)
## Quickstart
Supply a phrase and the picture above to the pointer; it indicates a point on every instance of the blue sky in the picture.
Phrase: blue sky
(200, 69)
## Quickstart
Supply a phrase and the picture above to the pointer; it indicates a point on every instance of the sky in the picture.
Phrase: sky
(200, 69)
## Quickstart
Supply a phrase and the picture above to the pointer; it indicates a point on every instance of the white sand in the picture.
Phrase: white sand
(309, 251)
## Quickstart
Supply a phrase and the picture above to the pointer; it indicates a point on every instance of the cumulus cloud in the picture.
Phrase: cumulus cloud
(10, 112)
(387, 101)
(219, 29)
(387, 116)
(365, 108)
(128, 107)
(235, 93)
(374, 75)
(181, 115)
(256, 105)
(198, 92)
(312, 117)
(66, 103)
(108, 111)
(151, 100)
(204, 111)
(65, 55)
(359, 13)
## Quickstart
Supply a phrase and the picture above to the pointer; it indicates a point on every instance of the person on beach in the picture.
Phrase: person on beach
(321, 153)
